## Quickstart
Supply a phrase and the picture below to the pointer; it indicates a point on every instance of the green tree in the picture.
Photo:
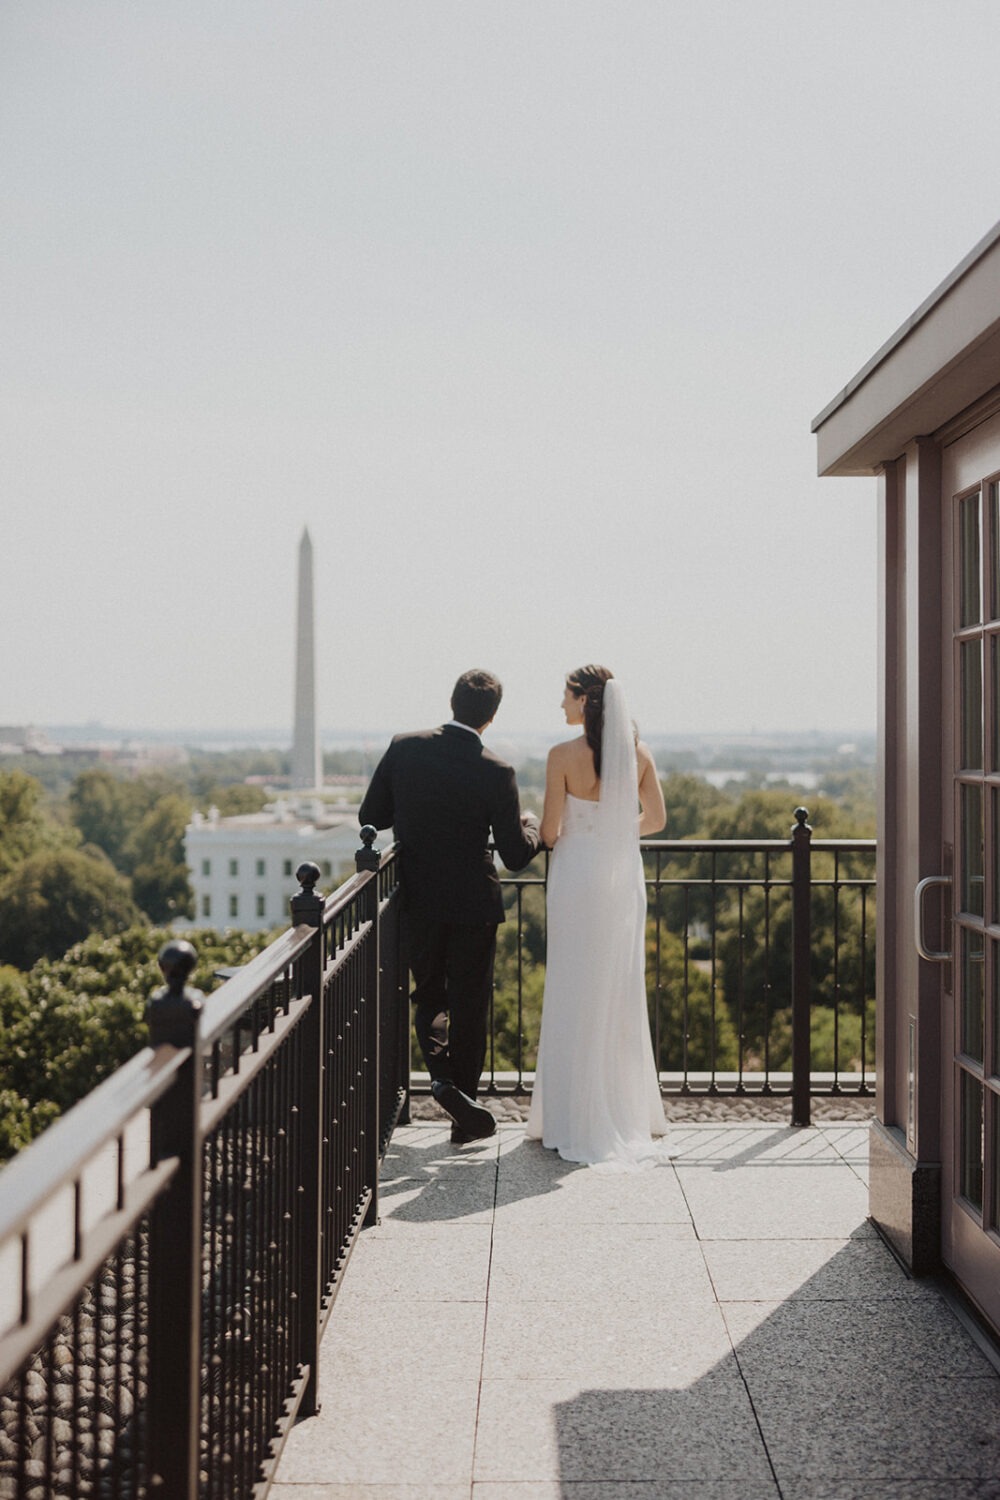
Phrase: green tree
(770, 814)
(100, 808)
(13, 996)
(140, 826)
(55, 898)
(682, 1018)
(690, 801)
(237, 799)
(519, 980)
(25, 826)
(688, 1030)
(71, 1021)
(154, 852)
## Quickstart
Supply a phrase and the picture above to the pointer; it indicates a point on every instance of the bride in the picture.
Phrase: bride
(596, 1097)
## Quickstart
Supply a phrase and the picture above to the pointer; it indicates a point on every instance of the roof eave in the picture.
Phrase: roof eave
(941, 360)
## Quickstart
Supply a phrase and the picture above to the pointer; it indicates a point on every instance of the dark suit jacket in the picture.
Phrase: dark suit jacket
(442, 792)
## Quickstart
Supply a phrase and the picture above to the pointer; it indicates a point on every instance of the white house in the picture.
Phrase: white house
(242, 869)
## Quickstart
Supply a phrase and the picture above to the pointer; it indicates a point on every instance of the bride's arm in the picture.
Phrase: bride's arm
(555, 797)
(654, 812)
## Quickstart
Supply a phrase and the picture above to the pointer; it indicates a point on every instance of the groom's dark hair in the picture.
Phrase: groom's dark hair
(476, 698)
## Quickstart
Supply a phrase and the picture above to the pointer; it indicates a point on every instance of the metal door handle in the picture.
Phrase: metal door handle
(932, 955)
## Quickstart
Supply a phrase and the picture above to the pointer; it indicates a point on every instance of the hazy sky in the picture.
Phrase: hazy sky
(523, 308)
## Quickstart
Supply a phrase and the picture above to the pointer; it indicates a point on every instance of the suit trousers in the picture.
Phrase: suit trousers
(452, 967)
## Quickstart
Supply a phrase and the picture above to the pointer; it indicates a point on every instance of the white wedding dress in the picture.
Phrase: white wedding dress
(596, 1097)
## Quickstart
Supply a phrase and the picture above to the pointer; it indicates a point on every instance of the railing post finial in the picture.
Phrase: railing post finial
(802, 818)
(307, 904)
(175, 1238)
(173, 1009)
(368, 857)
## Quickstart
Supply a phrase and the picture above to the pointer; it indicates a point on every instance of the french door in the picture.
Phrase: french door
(970, 1039)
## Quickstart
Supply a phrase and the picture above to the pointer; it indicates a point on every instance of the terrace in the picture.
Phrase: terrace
(516, 1328)
(242, 1229)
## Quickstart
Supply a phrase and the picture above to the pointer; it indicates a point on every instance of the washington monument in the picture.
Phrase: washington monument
(307, 766)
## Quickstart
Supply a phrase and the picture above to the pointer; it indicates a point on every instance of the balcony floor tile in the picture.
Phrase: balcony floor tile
(403, 1339)
(613, 1489)
(746, 1201)
(832, 1351)
(750, 1145)
(519, 1328)
(935, 1429)
(603, 1262)
(903, 1488)
(536, 1187)
(374, 1433)
(366, 1492)
(817, 1270)
(386, 1265)
(669, 1343)
(577, 1431)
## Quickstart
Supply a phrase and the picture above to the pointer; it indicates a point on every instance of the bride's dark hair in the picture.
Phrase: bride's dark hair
(588, 683)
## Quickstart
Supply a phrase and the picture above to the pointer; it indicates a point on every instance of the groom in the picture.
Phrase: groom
(442, 792)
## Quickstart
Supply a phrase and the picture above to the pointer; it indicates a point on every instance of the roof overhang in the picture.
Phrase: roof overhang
(944, 358)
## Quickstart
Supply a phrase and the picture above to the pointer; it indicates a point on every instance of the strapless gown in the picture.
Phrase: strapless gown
(596, 1097)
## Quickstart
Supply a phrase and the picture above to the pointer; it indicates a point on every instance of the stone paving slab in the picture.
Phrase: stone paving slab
(774, 1201)
(658, 1489)
(817, 1270)
(403, 1338)
(366, 1492)
(724, 1327)
(537, 1187)
(821, 1347)
(892, 1489)
(605, 1263)
(937, 1429)
(416, 1426)
(567, 1431)
(752, 1145)
(447, 1263)
(611, 1344)
(440, 1195)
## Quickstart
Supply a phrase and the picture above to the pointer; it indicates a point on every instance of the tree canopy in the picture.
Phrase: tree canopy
(26, 827)
(71, 1021)
(54, 898)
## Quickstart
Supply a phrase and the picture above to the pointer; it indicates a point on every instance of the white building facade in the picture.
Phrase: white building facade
(242, 869)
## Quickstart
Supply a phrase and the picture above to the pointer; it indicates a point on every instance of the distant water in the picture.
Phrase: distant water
(808, 780)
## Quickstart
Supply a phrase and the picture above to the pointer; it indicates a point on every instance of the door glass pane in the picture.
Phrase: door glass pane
(995, 551)
(971, 889)
(994, 739)
(995, 1158)
(969, 582)
(972, 705)
(969, 561)
(970, 1146)
(973, 985)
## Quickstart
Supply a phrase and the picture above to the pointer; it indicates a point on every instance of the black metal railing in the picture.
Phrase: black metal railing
(168, 1344)
(209, 1194)
(760, 968)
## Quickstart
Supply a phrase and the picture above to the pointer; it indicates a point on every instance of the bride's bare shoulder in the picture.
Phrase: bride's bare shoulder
(566, 751)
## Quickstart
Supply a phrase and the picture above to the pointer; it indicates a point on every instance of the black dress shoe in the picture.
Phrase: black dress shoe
(475, 1122)
(460, 1138)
